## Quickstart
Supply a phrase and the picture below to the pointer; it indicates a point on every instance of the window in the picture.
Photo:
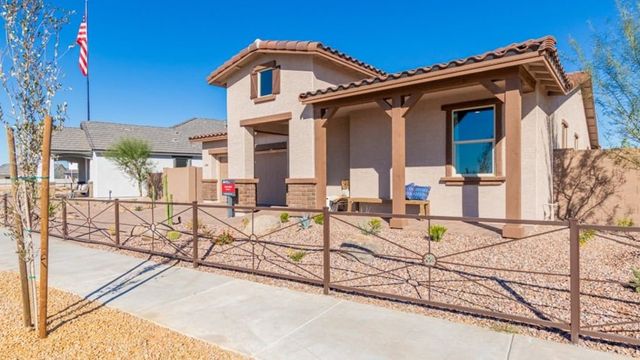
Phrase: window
(265, 82)
(181, 162)
(474, 141)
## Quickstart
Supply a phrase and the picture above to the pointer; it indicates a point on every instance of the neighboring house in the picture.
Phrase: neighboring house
(5, 178)
(81, 151)
(479, 130)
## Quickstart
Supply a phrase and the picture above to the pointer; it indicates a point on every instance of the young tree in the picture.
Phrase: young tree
(30, 78)
(132, 157)
(614, 64)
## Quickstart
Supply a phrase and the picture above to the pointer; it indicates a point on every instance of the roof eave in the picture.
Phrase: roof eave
(219, 77)
(464, 70)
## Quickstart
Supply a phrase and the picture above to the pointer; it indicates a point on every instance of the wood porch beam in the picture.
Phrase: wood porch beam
(321, 119)
(398, 160)
(513, 139)
(493, 88)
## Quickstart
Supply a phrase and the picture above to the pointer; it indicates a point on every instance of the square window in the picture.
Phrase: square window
(474, 158)
(265, 82)
(181, 162)
(474, 140)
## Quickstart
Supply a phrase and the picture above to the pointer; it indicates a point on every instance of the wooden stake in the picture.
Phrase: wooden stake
(19, 230)
(44, 228)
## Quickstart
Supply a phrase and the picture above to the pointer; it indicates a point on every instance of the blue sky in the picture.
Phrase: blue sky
(149, 59)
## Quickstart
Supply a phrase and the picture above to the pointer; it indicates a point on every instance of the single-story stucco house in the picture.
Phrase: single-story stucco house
(81, 151)
(305, 121)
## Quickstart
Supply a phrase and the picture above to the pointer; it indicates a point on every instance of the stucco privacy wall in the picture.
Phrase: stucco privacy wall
(370, 157)
(209, 162)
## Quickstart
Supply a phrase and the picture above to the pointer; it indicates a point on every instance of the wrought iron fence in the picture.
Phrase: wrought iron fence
(578, 278)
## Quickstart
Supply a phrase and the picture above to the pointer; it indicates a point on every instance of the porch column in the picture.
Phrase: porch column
(321, 118)
(513, 136)
(398, 161)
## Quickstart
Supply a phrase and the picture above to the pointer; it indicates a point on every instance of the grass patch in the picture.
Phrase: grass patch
(225, 238)
(284, 217)
(371, 227)
(436, 232)
(173, 235)
(297, 256)
(586, 236)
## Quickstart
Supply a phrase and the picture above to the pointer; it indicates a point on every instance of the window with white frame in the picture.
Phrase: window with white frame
(474, 141)
(265, 82)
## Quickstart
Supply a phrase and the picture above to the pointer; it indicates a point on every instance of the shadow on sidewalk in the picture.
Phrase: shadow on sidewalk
(121, 285)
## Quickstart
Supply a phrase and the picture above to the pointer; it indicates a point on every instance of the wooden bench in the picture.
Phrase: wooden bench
(423, 205)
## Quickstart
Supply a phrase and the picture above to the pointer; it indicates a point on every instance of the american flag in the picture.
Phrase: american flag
(82, 40)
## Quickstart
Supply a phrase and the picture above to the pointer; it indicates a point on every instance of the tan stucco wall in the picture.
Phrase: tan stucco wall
(370, 157)
(185, 184)
(299, 73)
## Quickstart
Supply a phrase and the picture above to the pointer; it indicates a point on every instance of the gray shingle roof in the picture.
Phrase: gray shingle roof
(70, 140)
(99, 136)
(4, 170)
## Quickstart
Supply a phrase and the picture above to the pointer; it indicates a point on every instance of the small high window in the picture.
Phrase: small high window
(181, 162)
(474, 140)
(265, 82)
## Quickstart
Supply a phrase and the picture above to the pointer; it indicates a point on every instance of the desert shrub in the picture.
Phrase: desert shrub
(635, 280)
(138, 208)
(173, 235)
(225, 238)
(284, 217)
(297, 256)
(371, 227)
(625, 222)
(436, 232)
(112, 230)
(586, 236)
(305, 222)
(245, 221)
(319, 219)
(505, 328)
(53, 210)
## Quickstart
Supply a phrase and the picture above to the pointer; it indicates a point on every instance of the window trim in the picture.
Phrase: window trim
(477, 141)
(497, 177)
(255, 82)
(260, 72)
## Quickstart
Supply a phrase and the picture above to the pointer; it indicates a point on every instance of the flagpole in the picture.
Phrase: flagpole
(86, 16)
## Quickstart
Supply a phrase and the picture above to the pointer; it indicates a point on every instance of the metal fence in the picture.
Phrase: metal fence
(565, 275)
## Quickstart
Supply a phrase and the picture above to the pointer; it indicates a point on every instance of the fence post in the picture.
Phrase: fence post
(64, 219)
(194, 223)
(5, 208)
(574, 264)
(116, 207)
(326, 244)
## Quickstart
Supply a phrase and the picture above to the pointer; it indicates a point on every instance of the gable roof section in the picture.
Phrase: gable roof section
(4, 170)
(582, 80)
(219, 75)
(545, 46)
(70, 140)
(99, 136)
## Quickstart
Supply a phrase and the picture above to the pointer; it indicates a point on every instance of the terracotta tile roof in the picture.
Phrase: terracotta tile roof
(295, 46)
(545, 45)
(204, 136)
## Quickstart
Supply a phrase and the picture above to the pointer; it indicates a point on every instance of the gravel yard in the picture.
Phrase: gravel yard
(85, 330)
(471, 267)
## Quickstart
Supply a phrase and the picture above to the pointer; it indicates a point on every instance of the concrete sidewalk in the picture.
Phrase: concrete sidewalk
(268, 322)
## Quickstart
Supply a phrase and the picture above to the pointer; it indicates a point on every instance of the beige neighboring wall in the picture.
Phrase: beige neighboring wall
(185, 184)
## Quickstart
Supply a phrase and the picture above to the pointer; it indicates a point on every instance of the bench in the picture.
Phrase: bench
(423, 205)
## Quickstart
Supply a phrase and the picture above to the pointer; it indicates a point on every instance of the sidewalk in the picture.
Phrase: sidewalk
(268, 322)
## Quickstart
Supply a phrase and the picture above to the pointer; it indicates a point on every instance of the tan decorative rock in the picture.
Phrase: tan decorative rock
(263, 224)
